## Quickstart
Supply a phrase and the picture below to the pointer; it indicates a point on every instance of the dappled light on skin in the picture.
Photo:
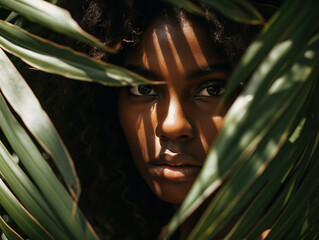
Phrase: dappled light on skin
(153, 144)
(179, 64)
(145, 59)
(215, 127)
(205, 144)
(172, 119)
(193, 43)
(171, 127)
(142, 136)
(160, 57)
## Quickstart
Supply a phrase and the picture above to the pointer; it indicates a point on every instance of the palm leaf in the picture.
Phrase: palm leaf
(263, 110)
(53, 17)
(285, 22)
(8, 231)
(270, 174)
(275, 173)
(41, 54)
(187, 5)
(27, 106)
(19, 213)
(53, 191)
(234, 192)
(28, 194)
(237, 10)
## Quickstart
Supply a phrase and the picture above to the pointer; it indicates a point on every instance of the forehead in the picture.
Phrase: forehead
(172, 46)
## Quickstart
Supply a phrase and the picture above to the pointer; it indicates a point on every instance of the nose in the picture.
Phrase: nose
(173, 124)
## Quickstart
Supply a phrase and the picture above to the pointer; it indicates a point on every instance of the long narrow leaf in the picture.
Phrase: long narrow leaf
(290, 185)
(53, 17)
(31, 227)
(214, 171)
(25, 103)
(238, 10)
(53, 191)
(56, 59)
(286, 158)
(271, 214)
(311, 225)
(29, 195)
(290, 17)
(8, 231)
(298, 202)
(288, 93)
(237, 191)
(187, 5)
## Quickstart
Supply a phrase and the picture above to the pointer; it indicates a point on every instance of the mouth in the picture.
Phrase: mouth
(178, 167)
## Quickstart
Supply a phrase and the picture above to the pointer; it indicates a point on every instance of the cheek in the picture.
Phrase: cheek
(209, 123)
(218, 122)
(137, 127)
(209, 132)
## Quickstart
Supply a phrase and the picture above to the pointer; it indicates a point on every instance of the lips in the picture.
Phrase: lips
(175, 167)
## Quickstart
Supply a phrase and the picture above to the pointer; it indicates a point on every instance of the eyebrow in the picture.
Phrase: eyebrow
(147, 73)
(200, 72)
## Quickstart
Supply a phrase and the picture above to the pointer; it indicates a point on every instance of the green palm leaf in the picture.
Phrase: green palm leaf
(27, 106)
(63, 206)
(252, 119)
(8, 231)
(285, 22)
(28, 194)
(53, 17)
(18, 212)
(265, 159)
(41, 54)
(237, 10)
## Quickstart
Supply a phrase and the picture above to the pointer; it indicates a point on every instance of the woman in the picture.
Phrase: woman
(139, 157)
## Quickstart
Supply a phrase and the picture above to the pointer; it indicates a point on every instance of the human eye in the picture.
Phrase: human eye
(213, 88)
(143, 90)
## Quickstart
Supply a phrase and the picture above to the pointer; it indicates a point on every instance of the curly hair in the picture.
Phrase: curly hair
(123, 22)
(115, 198)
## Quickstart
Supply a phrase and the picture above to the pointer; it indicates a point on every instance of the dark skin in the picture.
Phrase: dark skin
(170, 127)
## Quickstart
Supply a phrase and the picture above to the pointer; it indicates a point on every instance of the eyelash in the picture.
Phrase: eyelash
(135, 90)
(220, 84)
(152, 91)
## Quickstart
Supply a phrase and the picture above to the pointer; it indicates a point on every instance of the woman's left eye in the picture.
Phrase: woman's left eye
(211, 90)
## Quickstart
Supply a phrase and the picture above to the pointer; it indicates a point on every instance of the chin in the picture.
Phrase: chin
(173, 192)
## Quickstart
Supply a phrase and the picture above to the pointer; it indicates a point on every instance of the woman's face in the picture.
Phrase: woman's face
(170, 127)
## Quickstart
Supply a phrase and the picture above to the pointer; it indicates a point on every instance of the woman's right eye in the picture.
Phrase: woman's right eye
(143, 90)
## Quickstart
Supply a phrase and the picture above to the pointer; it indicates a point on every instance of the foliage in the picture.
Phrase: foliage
(264, 164)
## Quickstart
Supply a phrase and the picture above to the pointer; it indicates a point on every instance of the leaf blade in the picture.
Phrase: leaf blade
(22, 99)
(57, 59)
(29, 195)
(32, 228)
(50, 186)
(220, 170)
(53, 17)
(8, 231)
(238, 10)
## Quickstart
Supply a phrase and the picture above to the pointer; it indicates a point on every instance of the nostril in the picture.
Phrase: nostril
(183, 137)
(175, 125)
(180, 138)
(163, 137)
